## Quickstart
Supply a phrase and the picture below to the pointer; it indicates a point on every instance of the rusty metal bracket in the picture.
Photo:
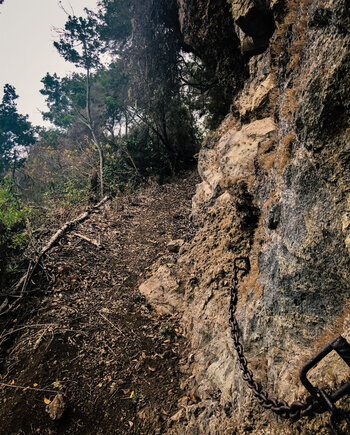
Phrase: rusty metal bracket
(327, 401)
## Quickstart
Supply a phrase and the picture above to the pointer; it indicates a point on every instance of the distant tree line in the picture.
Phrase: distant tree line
(135, 108)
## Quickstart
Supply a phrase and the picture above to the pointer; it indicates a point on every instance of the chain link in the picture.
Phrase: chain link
(295, 410)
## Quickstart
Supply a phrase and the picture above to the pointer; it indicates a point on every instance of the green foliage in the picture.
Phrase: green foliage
(152, 61)
(166, 332)
(138, 112)
(19, 240)
(65, 192)
(72, 193)
(12, 212)
(13, 237)
(119, 176)
(16, 133)
(64, 96)
(114, 84)
(115, 22)
(79, 42)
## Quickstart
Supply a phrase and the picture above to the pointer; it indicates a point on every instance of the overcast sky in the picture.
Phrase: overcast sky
(26, 48)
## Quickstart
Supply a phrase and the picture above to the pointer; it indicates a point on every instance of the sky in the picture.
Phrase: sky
(26, 48)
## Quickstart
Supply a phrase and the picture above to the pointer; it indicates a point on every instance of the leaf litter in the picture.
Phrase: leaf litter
(87, 334)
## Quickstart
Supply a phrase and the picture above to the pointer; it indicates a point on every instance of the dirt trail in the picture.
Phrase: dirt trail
(90, 335)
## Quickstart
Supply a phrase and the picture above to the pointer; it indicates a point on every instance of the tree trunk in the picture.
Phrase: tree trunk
(14, 166)
(91, 127)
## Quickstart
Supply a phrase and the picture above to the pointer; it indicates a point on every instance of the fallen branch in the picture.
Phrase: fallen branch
(114, 326)
(28, 388)
(4, 305)
(25, 280)
(93, 242)
(39, 325)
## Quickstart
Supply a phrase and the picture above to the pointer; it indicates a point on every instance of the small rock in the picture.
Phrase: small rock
(56, 408)
(175, 245)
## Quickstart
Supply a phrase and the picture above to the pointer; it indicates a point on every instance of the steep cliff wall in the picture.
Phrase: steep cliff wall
(275, 187)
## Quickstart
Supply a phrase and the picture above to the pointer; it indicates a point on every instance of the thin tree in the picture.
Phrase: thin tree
(79, 44)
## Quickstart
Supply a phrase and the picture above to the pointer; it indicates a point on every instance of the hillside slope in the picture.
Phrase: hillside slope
(85, 331)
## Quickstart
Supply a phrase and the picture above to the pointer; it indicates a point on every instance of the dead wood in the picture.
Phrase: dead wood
(93, 242)
(2, 384)
(68, 226)
(114, 326)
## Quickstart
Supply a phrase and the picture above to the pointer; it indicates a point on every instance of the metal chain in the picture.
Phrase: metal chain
(295, 410)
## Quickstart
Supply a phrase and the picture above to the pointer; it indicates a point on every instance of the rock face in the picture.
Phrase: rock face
(275, 187)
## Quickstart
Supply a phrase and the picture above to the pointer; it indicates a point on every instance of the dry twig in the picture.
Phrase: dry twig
(25, 280)
(27, 388)
(93, 242)
(114, 326)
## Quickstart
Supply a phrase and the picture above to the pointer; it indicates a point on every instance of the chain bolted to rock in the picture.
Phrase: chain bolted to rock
(318, 401)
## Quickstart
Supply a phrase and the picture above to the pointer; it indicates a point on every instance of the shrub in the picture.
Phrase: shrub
(13, 237)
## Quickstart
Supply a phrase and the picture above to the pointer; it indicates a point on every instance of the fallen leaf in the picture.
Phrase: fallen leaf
(12, 382)
(56, 408)
(47, 401)
(126, 391)
(143, 355)
(164, 412)
(207, 364)
(151, 369)
(35, 385)
(132, 395)
(131, 424)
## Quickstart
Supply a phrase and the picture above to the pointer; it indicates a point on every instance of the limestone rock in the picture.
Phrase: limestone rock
(163, 290)
(275, 187)
(175, 245)
(230, 159)
(256, 94)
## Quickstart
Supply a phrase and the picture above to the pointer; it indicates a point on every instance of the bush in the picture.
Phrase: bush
(13, 237)
(12, 212)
